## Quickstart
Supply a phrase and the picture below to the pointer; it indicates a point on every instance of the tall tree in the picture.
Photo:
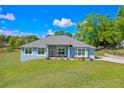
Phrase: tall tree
(99, 30)
(31, 38)
(12, 41)
(120, 20)
(63, 33)
(19, 42)
(60, 32)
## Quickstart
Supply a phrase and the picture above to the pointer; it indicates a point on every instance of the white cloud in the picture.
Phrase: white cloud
(14, 33)
(5, 32)
(8, 16)
(50, 32)
(63, 23)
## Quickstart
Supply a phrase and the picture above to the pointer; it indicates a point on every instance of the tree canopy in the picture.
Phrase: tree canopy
(61, 32)
(101, 30)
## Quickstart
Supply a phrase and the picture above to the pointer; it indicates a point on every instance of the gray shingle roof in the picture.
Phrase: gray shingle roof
(57, 40)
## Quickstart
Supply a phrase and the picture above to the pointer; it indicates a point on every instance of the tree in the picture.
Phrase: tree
(7, 39)
(121, 11)
(31, 38)
(63, 33)
(120, 20)
(99, 30)
(59, 33)
(12, 41)
(19, 42)
(68, 34)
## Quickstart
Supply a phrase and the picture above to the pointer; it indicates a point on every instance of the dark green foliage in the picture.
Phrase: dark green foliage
(12, 41)
(15, 41)
(63, 33)
(102, 30)
(10, 49)
(31, 38)
(60, 32)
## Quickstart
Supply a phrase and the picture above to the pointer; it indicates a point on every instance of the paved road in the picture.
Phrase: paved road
(112, 58)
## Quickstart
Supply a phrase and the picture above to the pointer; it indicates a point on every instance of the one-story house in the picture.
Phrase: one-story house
(56, 46)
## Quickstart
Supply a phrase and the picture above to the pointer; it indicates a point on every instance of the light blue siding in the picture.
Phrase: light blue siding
(70, 52)
(30, 57)
(91, 53)
(34, 55)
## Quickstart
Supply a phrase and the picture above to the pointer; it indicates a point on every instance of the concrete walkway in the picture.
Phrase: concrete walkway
(112, 58)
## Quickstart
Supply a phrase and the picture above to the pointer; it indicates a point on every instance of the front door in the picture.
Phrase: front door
(51, 51)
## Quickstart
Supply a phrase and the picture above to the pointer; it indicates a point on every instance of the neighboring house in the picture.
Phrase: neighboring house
(56, 46)
(122, 43)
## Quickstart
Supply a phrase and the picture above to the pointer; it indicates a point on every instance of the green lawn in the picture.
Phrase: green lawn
(58, 73)
(119, 52)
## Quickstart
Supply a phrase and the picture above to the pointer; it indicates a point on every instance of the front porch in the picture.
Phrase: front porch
(58, 51)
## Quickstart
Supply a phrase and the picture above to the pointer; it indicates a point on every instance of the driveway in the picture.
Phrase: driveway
(112, 58)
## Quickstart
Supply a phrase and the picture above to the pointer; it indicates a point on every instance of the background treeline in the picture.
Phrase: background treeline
(10, 43)
(102, 30)
(14, 42)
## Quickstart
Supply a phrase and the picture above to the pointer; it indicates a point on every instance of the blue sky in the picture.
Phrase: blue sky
(39, 20)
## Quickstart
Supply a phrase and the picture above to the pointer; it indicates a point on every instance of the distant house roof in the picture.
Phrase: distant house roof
(57, 40)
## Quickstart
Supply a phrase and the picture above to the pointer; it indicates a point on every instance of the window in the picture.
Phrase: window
(41, 51)
(35, 50)
(61, 51)
(81, 52)
(91, 52)
(28, 50)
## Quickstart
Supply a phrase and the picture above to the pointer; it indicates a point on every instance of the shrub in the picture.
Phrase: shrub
(47, 58)
(91, 59)
(10, 49)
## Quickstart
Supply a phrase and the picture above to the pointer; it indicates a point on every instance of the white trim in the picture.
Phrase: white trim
(61, 47)
(81, 53)
(36, 53)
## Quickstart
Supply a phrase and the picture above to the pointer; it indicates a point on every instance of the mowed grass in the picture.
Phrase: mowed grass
(58, 73)
(118, 52)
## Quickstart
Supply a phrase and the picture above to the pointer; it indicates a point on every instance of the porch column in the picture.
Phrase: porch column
(68, 51)
(47, 52)
(86, 52)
